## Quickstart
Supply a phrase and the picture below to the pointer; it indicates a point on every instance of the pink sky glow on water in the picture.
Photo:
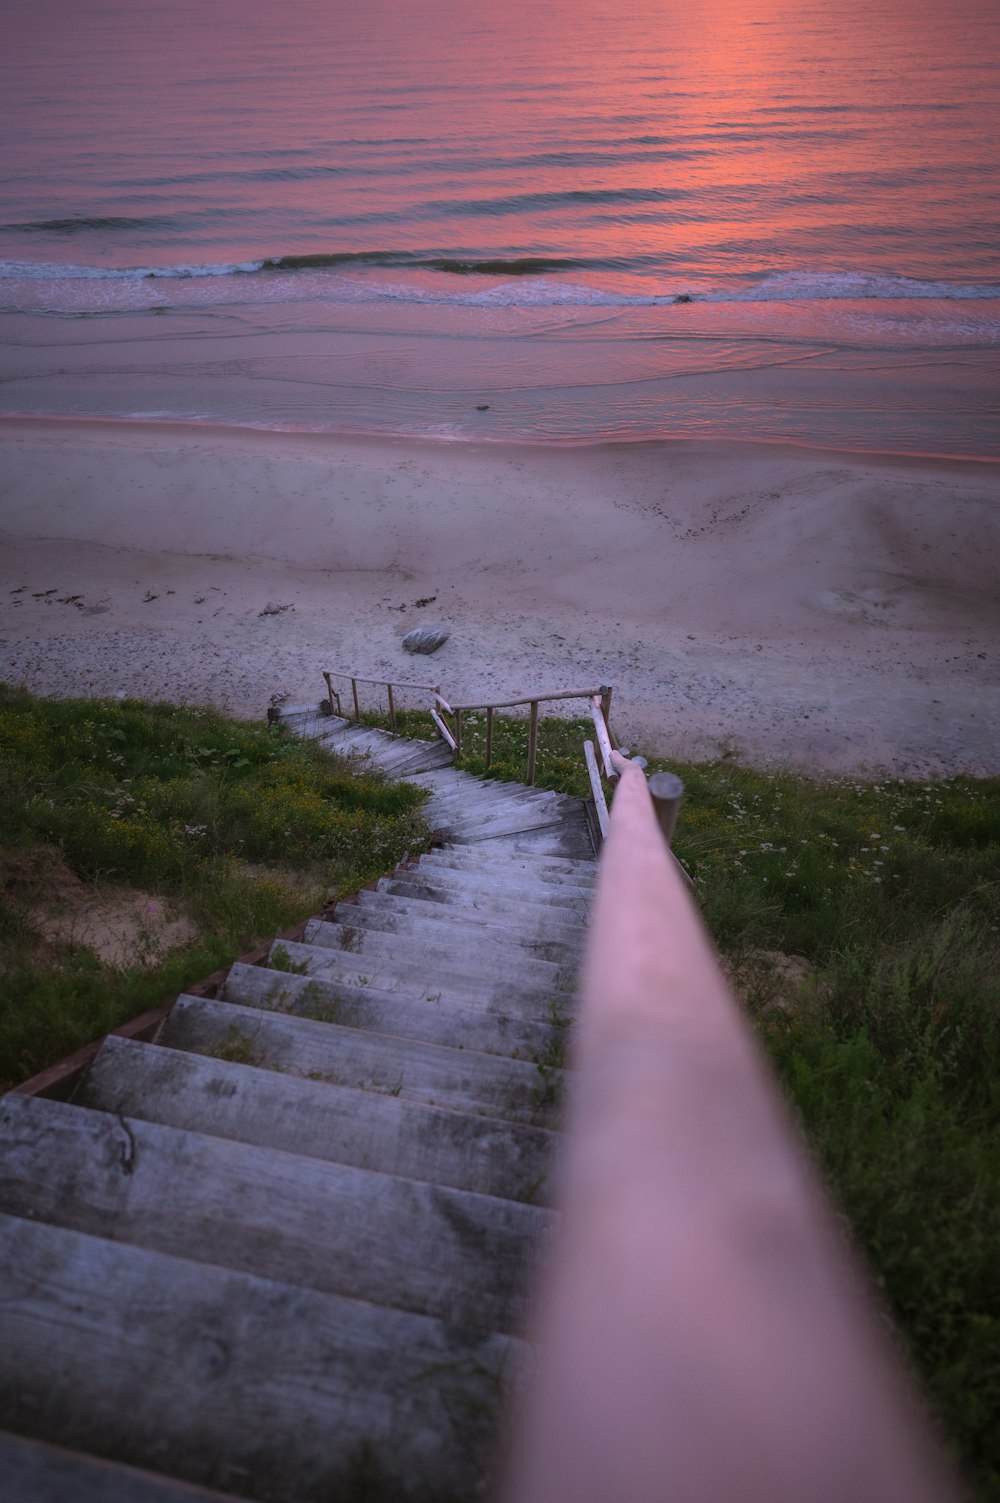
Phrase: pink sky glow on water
(329, 216)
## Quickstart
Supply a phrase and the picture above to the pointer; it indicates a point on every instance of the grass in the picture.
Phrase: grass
(884, 1031)
(186, 804)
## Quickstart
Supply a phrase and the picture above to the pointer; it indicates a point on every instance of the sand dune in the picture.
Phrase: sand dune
(812, 609)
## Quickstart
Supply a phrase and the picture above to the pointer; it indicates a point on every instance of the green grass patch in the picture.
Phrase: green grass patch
(861, 922)
(239, 829)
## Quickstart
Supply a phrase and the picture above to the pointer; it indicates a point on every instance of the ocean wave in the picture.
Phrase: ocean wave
(519, 281)
(516, 266)
(79, 223)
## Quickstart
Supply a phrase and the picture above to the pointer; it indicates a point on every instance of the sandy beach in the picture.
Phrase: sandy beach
(790, 607)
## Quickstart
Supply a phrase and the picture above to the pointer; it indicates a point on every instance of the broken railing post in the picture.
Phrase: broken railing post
(666, 790)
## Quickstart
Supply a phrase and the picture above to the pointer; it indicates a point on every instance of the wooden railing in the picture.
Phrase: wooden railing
(602, 695)
(440, 710)
(390, 686)
(704, 1332)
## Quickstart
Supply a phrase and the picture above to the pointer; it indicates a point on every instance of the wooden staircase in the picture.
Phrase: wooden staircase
(283, 1251)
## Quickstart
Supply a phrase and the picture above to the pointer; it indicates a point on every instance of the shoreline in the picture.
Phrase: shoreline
(111, 421)
(811, 608)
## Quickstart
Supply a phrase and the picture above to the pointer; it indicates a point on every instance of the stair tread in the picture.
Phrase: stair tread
(453, 1254)
(542, 921)
(521, 993)
(325, 1121)
(500, 898)
(430, 1016)
(485, 1084)
(456, 952)
(391, 919)
(206, 1373)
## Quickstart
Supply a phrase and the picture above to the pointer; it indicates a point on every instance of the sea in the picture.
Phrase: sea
(551, 221)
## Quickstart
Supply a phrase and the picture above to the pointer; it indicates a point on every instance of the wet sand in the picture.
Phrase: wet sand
(791, 607)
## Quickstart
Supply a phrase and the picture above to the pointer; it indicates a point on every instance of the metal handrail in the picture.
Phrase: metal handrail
(704, 1333)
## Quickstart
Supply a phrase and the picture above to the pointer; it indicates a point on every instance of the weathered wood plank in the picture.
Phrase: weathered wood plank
(484, 1084)
(429, 979)
(241, 1383)
(489, 890)
(596, 787)
(544, 923)
(452, 1254)
(346, 1126)
(442, 1021)
(451, 954)
(33, 1472)
(392, 919)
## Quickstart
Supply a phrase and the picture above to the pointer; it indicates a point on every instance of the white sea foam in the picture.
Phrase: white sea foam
(56, 287)
(59, 271)
(815, 286)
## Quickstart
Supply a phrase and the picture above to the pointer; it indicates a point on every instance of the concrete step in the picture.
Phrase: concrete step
(36, 1473)
(457, 953)
(428, 980)
(488, 895)
(484, 1084)
(461, 1257)
(453, 931)
(324, 1121)
(400, 1014)
(253, 1385)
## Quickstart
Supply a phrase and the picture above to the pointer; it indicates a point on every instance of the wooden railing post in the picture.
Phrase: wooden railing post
(392, 709)
(604, 746)
(354, 691)
(596, 788)
(532, 742)
(666, 790)
(606, 711)
(489, 735)
(458, 733)
(329, 692)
